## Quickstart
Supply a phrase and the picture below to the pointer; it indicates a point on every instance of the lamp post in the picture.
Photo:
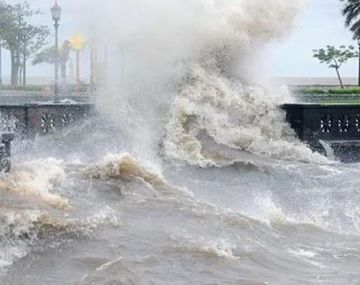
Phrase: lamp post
(358, 41)
(0, 65)
(56, 14)
(78, 43)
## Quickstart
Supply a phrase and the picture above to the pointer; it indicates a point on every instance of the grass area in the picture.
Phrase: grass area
(28, 88)
(328, 94)
(328, 91)
(334, 102)
(40, 88)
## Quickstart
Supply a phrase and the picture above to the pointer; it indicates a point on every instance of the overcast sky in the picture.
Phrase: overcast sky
(321, 23)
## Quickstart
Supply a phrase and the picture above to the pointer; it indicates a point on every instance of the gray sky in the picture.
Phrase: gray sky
(317, 26)
(321, 23)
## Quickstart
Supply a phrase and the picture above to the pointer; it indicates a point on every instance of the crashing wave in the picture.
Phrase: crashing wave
(36, 180)
(31, 212)
(21, 229)
(127, 168)
(234, 115)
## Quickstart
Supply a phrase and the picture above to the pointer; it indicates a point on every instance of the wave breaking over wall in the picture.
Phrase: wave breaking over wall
(171, 60)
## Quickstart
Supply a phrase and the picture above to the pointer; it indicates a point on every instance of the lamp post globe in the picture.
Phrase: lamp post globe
(56, 15)
(56, 12)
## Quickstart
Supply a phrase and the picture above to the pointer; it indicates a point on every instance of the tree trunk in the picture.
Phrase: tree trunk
(78, 72)
(18, 63)
(14, 69)
(339, 77)
(24, 70)
(1, 66)
(63, 72)
(20, 75)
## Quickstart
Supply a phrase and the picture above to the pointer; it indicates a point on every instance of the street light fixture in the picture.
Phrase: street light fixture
(56, 15)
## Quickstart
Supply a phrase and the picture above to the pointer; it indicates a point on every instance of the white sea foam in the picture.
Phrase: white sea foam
(220, 248)
(208, 248)
(303, 253)
(13, 226)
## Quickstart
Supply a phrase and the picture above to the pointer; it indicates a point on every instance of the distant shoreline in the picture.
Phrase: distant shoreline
(315, 81)
(296, 81)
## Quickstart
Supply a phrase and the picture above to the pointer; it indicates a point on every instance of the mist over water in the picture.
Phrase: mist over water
(177, 47)
(189, 173)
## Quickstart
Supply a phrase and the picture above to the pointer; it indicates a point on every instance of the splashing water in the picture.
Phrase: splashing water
(36, 180)
(233, 115)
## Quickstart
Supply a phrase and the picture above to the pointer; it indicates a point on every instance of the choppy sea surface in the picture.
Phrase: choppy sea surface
(80, 214)
(189, 173)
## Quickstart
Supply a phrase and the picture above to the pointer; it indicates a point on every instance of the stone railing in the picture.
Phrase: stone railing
(334, 124)
(324, 122)
(31, 120)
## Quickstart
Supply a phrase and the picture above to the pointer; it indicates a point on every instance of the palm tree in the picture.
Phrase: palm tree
(351, 11)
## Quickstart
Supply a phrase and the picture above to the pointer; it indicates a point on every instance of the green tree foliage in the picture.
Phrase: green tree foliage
(34, 38)
(20, 37)
(5, 12)
(335, 57)
(351, 11)
(5, 17)
(47, 55)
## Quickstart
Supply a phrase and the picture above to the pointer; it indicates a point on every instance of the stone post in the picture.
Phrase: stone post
(5, 152)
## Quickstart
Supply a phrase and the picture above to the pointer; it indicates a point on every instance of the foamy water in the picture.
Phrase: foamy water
(124, 219)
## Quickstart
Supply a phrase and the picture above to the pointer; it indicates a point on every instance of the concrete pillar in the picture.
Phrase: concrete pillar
(5, 152)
